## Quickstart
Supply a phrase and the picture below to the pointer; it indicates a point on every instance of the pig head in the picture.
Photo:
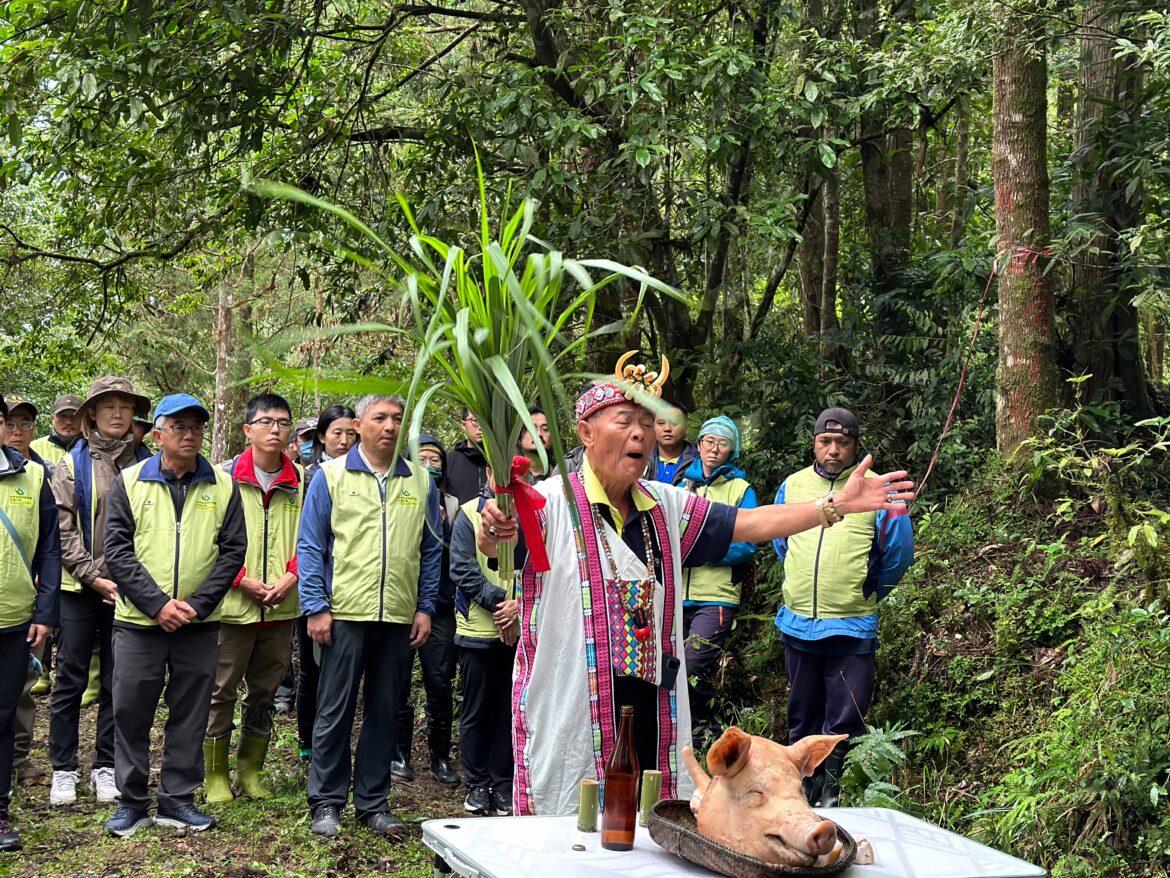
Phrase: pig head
(753, 804)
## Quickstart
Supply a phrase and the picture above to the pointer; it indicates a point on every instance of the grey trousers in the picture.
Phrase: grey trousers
(377, 651)
(146, 660)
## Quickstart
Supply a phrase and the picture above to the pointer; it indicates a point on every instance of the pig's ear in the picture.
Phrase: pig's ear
(698, 778)
(808, 753)
(729, 754)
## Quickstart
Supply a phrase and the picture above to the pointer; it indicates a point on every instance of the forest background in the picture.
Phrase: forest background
(864, 202)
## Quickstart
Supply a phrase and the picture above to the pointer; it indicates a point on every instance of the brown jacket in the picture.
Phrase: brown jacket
(110, 457)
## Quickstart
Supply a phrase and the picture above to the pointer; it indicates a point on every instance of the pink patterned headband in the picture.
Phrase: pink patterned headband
(598, 397)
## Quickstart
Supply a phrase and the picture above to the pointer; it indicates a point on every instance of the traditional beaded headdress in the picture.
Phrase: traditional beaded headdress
(629, 382)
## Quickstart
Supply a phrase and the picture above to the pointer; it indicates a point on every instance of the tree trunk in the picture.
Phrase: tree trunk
(221, 405)
(810, 262)
(828, 298)
(1026, 378)
(962, 149)
(1105, 339)
(901, 151)
(810, 253)
(1155, 346)
(886, 251)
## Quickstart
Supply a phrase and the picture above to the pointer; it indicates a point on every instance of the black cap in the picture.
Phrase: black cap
(15, 400)
(3, 409)
(837, 420)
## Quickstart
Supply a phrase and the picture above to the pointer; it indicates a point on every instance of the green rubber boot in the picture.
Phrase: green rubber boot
(249, 764)
(216, 784)
(93, 689)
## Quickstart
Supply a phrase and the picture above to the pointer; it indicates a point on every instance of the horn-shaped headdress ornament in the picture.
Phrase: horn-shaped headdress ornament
(629, 381)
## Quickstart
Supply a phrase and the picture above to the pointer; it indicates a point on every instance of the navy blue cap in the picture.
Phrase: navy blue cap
(180, 402)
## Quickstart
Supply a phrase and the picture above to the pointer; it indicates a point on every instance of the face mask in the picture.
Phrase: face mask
(306, 450)
(435, 471)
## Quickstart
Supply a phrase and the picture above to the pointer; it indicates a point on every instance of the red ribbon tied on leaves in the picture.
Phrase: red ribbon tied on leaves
(528, 502)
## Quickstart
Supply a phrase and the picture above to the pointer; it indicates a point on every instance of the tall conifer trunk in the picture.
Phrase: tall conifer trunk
(1026, 378)
(1105, 339)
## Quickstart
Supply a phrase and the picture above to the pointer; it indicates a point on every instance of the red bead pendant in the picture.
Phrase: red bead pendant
(642, 634)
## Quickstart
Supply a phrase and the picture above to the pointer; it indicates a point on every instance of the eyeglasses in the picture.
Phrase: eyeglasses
(715, 444)
(21, 425)
(184, 429)
(269, 423)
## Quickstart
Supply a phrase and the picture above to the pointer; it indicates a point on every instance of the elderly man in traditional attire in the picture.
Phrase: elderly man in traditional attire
(607, 631)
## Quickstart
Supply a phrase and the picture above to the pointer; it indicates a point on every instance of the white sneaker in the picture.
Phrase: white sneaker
(104, 787)
(64, 790)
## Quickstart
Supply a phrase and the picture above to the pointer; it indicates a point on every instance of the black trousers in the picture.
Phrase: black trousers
(828, 694)
(147, 660)
(485, 725)
(706, 630)
(643, 697)
(437, 657)
(85, 622)
(377, 652)
(13, 670)
(308, 675)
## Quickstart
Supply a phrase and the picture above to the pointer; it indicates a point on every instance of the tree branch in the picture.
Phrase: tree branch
(782, 269)
(475, 15)
(156, 251)
(388, 134)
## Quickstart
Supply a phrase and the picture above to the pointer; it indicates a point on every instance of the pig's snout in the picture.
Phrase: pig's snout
(823, 837)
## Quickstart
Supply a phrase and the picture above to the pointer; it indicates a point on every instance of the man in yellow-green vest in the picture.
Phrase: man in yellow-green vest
(370, 557)
(255, 635)
(833, 579)
(30, 579)
(711, 593)
(486, 635)
(65, 430)
(175, 540)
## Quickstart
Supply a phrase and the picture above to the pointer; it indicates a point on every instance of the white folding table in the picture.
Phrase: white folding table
(551, 847)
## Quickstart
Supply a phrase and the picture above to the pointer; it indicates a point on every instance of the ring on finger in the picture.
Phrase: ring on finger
(492, 530)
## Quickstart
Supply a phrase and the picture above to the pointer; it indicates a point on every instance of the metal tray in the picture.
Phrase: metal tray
(672, 826)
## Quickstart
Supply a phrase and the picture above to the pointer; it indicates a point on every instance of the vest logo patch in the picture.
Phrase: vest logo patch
(406, 498)
(20, 497)
(205, 501)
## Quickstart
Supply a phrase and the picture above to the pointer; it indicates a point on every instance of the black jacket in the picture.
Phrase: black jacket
(466, 471)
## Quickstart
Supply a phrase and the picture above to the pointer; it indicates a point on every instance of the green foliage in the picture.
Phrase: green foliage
(870, 767)
(1022, 648)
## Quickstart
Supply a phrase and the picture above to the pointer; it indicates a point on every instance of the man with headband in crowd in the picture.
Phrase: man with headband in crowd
(623, 596)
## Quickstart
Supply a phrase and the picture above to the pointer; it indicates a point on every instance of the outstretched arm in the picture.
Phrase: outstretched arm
(859, 495)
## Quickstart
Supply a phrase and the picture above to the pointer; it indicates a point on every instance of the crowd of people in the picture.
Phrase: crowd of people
(156, 573)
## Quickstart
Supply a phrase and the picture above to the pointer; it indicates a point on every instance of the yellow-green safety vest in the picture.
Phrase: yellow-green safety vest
(272, 543)
(713, 582)
(178, 555)
(20, 498)
(50, 452)
(478, 624)
(377, 537)
(825, 568)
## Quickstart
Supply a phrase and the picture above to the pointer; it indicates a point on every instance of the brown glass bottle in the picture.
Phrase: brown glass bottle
(619, 814)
